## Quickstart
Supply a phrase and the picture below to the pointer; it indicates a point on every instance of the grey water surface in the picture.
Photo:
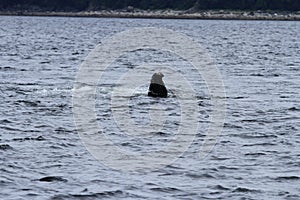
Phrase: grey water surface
(257, 156)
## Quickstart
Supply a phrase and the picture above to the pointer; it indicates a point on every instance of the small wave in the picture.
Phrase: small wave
(7, 68)
(255, 154)
(220, 187)
(243, 189)
(228, 167)
(219, 158)
(259, 144)
(265, 75)
(9, 128)
(26, 83)
(52, 179)
(282, 178)
(63, 130)
(165, 189)
(29, 103)
(294, 109)
(233, 126)
(200, 97)
(39, 138)
(174, 167)
(199, 176)
(237, 97)
(45, 62)
(256, 136)
(5, 121)
(160, 133)
(99, 195)
(258, 74)
(5, 147)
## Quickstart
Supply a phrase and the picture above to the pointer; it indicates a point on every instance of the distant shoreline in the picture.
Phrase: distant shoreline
(168, 14)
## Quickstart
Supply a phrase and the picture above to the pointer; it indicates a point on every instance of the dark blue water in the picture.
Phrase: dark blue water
(256, 157)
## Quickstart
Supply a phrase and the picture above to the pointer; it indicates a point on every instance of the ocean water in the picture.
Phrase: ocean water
(257, 155)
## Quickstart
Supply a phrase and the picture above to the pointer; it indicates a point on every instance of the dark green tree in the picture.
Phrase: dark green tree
(71, 5)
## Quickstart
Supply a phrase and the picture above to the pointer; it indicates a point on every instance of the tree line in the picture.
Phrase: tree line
(81, 5)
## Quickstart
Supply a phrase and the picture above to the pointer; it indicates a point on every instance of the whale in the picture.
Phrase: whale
(157, 86)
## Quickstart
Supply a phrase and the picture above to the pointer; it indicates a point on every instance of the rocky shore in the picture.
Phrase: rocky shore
(168, 14)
